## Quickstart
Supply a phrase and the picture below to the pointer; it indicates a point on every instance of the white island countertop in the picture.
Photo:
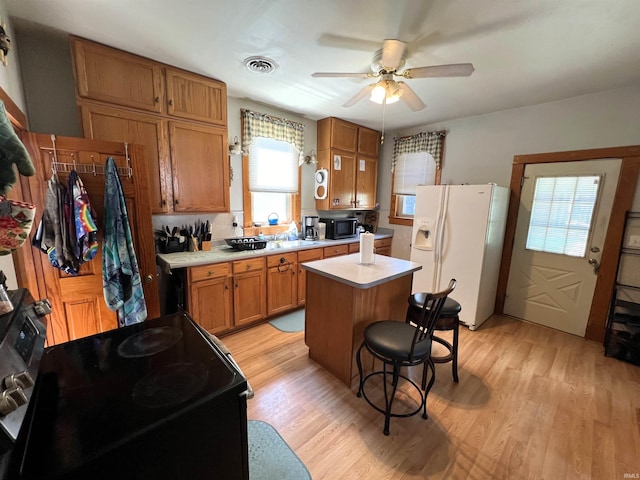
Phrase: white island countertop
(347, 270)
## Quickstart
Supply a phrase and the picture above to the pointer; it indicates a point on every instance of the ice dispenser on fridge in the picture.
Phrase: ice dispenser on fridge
(424, 234)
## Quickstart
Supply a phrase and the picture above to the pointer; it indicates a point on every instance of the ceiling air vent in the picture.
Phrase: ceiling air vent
(260, 64)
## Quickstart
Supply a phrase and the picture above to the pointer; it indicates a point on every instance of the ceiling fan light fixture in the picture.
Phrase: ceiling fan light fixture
(387, 91)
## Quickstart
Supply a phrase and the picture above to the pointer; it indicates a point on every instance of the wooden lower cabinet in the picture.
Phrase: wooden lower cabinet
(209, 301)
(383, 246)
(282, 285)
(222, 297)
(305, 256)
(249, 291)
(336, 250)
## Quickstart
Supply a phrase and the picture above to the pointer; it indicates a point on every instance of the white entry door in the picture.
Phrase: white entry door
(562, 222)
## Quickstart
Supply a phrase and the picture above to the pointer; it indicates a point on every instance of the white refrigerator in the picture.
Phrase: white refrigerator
(458, 232)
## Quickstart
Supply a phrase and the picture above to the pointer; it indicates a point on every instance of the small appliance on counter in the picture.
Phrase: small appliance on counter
(338, 228)
(311, 227)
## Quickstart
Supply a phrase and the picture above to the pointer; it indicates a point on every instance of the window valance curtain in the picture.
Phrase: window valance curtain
(256, 124)
(430, 142)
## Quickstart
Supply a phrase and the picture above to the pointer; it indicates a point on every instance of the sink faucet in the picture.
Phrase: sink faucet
(280, 236)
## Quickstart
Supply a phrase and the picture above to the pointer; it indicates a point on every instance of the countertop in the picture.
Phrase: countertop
(347, 269)
(224, 253)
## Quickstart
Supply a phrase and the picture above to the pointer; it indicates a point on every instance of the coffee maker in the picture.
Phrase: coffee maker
(311, 227)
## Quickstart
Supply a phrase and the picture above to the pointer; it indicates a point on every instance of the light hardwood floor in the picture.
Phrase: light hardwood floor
(532, 403)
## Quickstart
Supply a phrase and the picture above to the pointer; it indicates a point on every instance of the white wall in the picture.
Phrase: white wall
(10, 81)
(480, 149)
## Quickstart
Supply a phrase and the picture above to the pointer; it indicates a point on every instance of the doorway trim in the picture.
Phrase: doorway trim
(625, 191)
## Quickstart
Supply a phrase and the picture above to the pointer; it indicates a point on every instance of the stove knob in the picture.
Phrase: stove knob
(12, 399)
(18, 380)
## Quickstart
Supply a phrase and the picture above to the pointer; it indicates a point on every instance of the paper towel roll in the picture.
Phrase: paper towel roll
(366, 248)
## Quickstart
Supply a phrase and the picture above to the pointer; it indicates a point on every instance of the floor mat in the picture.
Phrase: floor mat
(290, 322)
(270, 457)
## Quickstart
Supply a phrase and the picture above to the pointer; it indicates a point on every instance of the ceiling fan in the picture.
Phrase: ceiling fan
(386, 65)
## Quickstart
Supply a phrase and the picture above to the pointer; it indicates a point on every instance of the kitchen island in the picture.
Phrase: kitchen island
(343, 297)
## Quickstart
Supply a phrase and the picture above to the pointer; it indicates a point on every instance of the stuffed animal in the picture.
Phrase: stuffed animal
(12, 151)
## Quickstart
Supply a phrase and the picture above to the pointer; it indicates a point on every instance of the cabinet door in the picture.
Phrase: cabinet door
(341, 180)
(78, 306)
(383, 246)
(197, 98)
(344, 135)
(249, 297)
(119, 125)
(113, 76)
(366, 181)
(368, 142)
(210, 305)
(200, 167)
(305, 256)
(282, 286)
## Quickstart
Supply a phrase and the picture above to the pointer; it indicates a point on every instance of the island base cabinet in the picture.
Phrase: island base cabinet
(334, 329)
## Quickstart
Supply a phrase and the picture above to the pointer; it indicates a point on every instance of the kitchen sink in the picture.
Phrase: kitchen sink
(275, 244)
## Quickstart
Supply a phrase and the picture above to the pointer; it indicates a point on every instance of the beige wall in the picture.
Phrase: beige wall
(480, 149)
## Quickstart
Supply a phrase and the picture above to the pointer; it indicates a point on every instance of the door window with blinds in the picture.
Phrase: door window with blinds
(562, 214)
(411, 170)
(273, 178)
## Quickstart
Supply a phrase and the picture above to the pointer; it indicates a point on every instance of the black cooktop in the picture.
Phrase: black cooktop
(100, 391)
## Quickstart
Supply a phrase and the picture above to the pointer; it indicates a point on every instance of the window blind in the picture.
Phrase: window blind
(273, 166)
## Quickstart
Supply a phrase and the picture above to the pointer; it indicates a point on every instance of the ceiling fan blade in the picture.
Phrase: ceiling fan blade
(392, 53)
(341, 41)
(410, 98)
(453, 70)
(340, 74)
(359, 96)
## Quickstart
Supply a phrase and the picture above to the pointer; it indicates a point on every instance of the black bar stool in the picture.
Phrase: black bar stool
(449, 320)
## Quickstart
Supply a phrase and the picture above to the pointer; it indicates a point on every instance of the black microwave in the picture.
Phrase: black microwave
(340, 227)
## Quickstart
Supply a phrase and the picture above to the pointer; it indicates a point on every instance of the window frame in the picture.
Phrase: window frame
(395, 220)
(247, 199)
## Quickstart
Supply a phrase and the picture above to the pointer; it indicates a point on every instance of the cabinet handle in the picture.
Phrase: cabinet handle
(156, 100)
(175, 201)
(209, 273)
(164, 202)
(248, 266)
(170, 102)
(236, 285)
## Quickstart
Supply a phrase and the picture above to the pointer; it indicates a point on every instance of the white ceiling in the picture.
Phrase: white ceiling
(524, 51)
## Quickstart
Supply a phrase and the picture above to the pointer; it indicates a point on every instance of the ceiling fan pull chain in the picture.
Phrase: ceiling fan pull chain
(384, 109)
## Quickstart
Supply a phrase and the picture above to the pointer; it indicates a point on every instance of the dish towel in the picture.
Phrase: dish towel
(120, 274)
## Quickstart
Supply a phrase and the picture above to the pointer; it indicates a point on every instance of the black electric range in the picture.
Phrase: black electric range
(149, 401)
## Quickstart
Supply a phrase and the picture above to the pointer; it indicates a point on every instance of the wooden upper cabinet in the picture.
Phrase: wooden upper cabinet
(368, 142)
(349, 152)
(200, 167)
(194, 97)
(366, 182)
(336, 133)
(119, 125)
(180, 117)
(112, 76)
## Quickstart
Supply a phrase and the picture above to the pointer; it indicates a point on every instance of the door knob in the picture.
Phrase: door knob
(595, 264)
(148, 279)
